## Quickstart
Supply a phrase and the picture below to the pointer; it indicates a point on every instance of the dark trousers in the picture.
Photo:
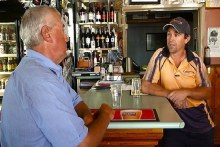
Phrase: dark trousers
(178, 138)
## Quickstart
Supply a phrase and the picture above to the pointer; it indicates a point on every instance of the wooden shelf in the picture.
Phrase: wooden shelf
(98, 49)
(160, 7)
(99, 23)
(8, 55)
(5, 73)
(7, 23)
(8, 41)
(142, 21)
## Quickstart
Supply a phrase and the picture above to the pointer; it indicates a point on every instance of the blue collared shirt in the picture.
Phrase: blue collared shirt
(38, 106)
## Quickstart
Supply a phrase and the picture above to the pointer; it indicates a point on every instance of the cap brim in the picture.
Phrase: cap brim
(165, 28)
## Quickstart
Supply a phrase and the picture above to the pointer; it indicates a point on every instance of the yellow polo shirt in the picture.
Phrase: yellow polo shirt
(191, 73)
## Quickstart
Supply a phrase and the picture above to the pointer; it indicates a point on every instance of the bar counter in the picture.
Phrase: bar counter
(135, 133)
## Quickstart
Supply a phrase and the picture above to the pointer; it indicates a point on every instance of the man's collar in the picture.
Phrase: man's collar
(189, 54)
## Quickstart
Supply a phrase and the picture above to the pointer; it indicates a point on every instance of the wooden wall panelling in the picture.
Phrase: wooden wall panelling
(217, 105)
(132, 137)
(214, 100)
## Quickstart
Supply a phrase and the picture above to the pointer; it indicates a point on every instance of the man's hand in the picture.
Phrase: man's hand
(105, 109)
(88, 119)
(179, 98)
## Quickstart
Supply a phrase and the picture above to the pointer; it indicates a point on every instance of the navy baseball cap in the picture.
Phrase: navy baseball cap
(179, 24)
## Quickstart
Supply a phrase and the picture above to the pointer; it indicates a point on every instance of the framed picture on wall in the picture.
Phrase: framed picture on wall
(155, 41)
(144, 1)
(212, 3)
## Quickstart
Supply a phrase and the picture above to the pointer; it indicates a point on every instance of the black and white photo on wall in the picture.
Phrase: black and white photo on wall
(213, 41)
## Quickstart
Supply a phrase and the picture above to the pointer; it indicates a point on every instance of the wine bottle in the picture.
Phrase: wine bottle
(111, 13)
(98, 13)
(102, 38)
(95, 58)
(82, 37)
(91, 13)
(98, 38)
(112, 38)
(93, 38)
(1, 33)
(88, 38)
(82, 14)
(107, 38)
(104, 14)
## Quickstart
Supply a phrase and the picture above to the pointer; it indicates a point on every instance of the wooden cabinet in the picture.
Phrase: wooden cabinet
(214, 101)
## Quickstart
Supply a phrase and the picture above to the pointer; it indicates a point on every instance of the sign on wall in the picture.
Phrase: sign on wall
(214, 41)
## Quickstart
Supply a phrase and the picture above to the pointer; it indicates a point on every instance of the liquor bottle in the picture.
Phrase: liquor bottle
(91, 13)
(102, 38)
(82, 14)
(4, 65)
(1, 33)
(98, 13)
(9, 63)
(98, 38)
(36, 2)
(94, 59)
(82, 37)
(67, 17)
(107, 38)
(111, 13)
(104, 14)
(93, 38)
(112, 38)
(15, 62)
(88, 38)
(207, 59)
(48, 2)
(1, 65)
(6, 33)
(2, 51)
(12, 64)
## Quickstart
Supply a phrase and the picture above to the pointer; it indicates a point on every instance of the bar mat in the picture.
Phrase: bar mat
(132, 93)
(134, 115)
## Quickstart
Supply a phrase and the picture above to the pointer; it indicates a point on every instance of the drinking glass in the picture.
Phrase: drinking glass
(136, 87)
(116, 91)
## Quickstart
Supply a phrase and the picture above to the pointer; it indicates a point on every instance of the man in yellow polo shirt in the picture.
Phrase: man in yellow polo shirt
(180, 75)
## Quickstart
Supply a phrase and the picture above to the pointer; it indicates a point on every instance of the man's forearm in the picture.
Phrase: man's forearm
(154, 89)
(84, 112)
(199, 93)
(97, 128)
